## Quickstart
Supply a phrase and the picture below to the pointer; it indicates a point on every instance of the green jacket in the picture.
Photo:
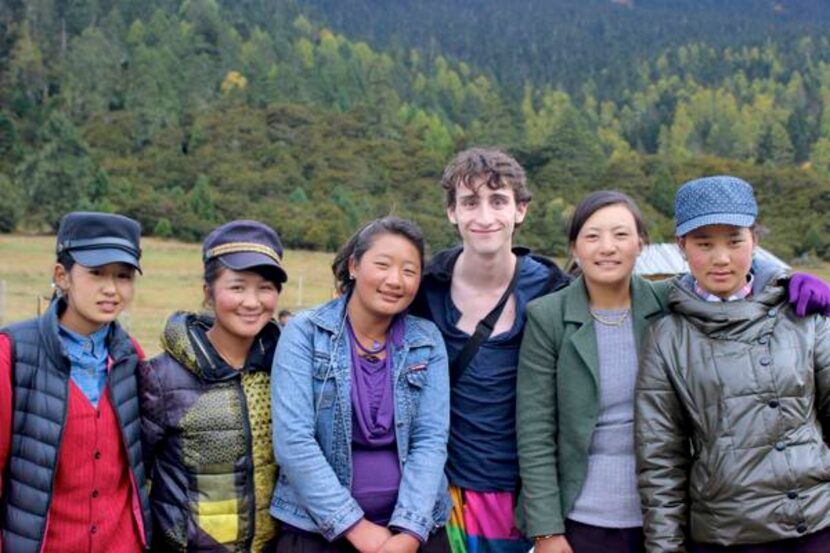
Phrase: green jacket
(732, 401)
(558, 397)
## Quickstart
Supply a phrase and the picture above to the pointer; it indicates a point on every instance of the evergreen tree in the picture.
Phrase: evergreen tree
(27, 77)
(574, 153)
(60, 175)
(776, 146)
(11, 208)
(821, 156)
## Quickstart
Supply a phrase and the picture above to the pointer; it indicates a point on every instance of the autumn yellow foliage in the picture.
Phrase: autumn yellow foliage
(233, 80)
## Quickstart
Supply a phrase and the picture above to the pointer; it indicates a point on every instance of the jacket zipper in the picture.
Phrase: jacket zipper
(249, 468)
(202, 348)
(133, 483)
(42, 547)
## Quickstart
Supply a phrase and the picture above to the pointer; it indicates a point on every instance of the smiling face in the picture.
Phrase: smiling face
(720, 257)
(243, 302)
(387, 276)
(94, 296)
(486, 218)
(607, 246)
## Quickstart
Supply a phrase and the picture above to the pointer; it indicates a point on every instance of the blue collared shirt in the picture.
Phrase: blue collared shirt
(88, 356)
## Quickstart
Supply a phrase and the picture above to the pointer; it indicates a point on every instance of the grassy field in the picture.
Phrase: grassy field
(171, 281)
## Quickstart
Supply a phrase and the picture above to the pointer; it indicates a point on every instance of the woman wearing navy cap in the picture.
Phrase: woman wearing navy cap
(70, 448)
(205, 402)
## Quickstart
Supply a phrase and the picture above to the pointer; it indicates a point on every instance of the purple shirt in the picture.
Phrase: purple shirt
(376, 471)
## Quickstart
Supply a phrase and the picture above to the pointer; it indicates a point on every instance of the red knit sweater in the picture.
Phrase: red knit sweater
(91, 507)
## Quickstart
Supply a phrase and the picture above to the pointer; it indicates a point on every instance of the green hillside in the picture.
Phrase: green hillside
(184, 114)
(568, 43)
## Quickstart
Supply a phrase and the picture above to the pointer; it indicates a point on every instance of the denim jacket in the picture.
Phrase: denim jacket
(312, 425)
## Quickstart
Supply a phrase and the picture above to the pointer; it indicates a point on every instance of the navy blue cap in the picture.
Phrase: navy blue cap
(94, 239)
(244, 244)
(718, 200)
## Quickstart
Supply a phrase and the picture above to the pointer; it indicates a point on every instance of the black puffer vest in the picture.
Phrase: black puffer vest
(40, 382)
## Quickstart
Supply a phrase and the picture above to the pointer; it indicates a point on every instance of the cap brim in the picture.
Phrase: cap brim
(243, 261)
(731, 219)
(104, 256)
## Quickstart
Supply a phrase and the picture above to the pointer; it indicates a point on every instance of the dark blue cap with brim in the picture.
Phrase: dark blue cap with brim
(243, 245)
(95, 239)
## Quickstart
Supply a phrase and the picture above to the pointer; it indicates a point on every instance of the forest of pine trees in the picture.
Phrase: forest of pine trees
(184, 114)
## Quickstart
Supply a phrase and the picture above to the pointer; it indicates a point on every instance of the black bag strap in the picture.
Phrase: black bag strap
(484, 329)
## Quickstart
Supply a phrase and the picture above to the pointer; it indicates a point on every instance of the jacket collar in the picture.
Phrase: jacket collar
(584, 340)
(577, 308)
(49, 323)
(331, 317)
(741, 320)
(644, 302)
(119, 344)
(185, 340)
(644, 307)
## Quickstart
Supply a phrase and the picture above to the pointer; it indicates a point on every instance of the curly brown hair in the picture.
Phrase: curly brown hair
(475, 167)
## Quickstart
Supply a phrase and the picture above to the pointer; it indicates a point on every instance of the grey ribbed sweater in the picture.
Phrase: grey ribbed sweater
(609, 497)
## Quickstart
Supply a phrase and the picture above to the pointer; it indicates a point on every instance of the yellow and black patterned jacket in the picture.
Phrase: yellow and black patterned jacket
(207, 439)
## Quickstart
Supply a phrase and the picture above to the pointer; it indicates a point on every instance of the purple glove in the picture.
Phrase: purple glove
(809, 294)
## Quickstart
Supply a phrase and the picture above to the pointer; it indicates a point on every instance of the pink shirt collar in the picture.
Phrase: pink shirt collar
(742, 293)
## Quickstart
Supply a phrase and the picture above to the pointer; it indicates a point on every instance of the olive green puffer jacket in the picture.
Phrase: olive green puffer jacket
(732, 400)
